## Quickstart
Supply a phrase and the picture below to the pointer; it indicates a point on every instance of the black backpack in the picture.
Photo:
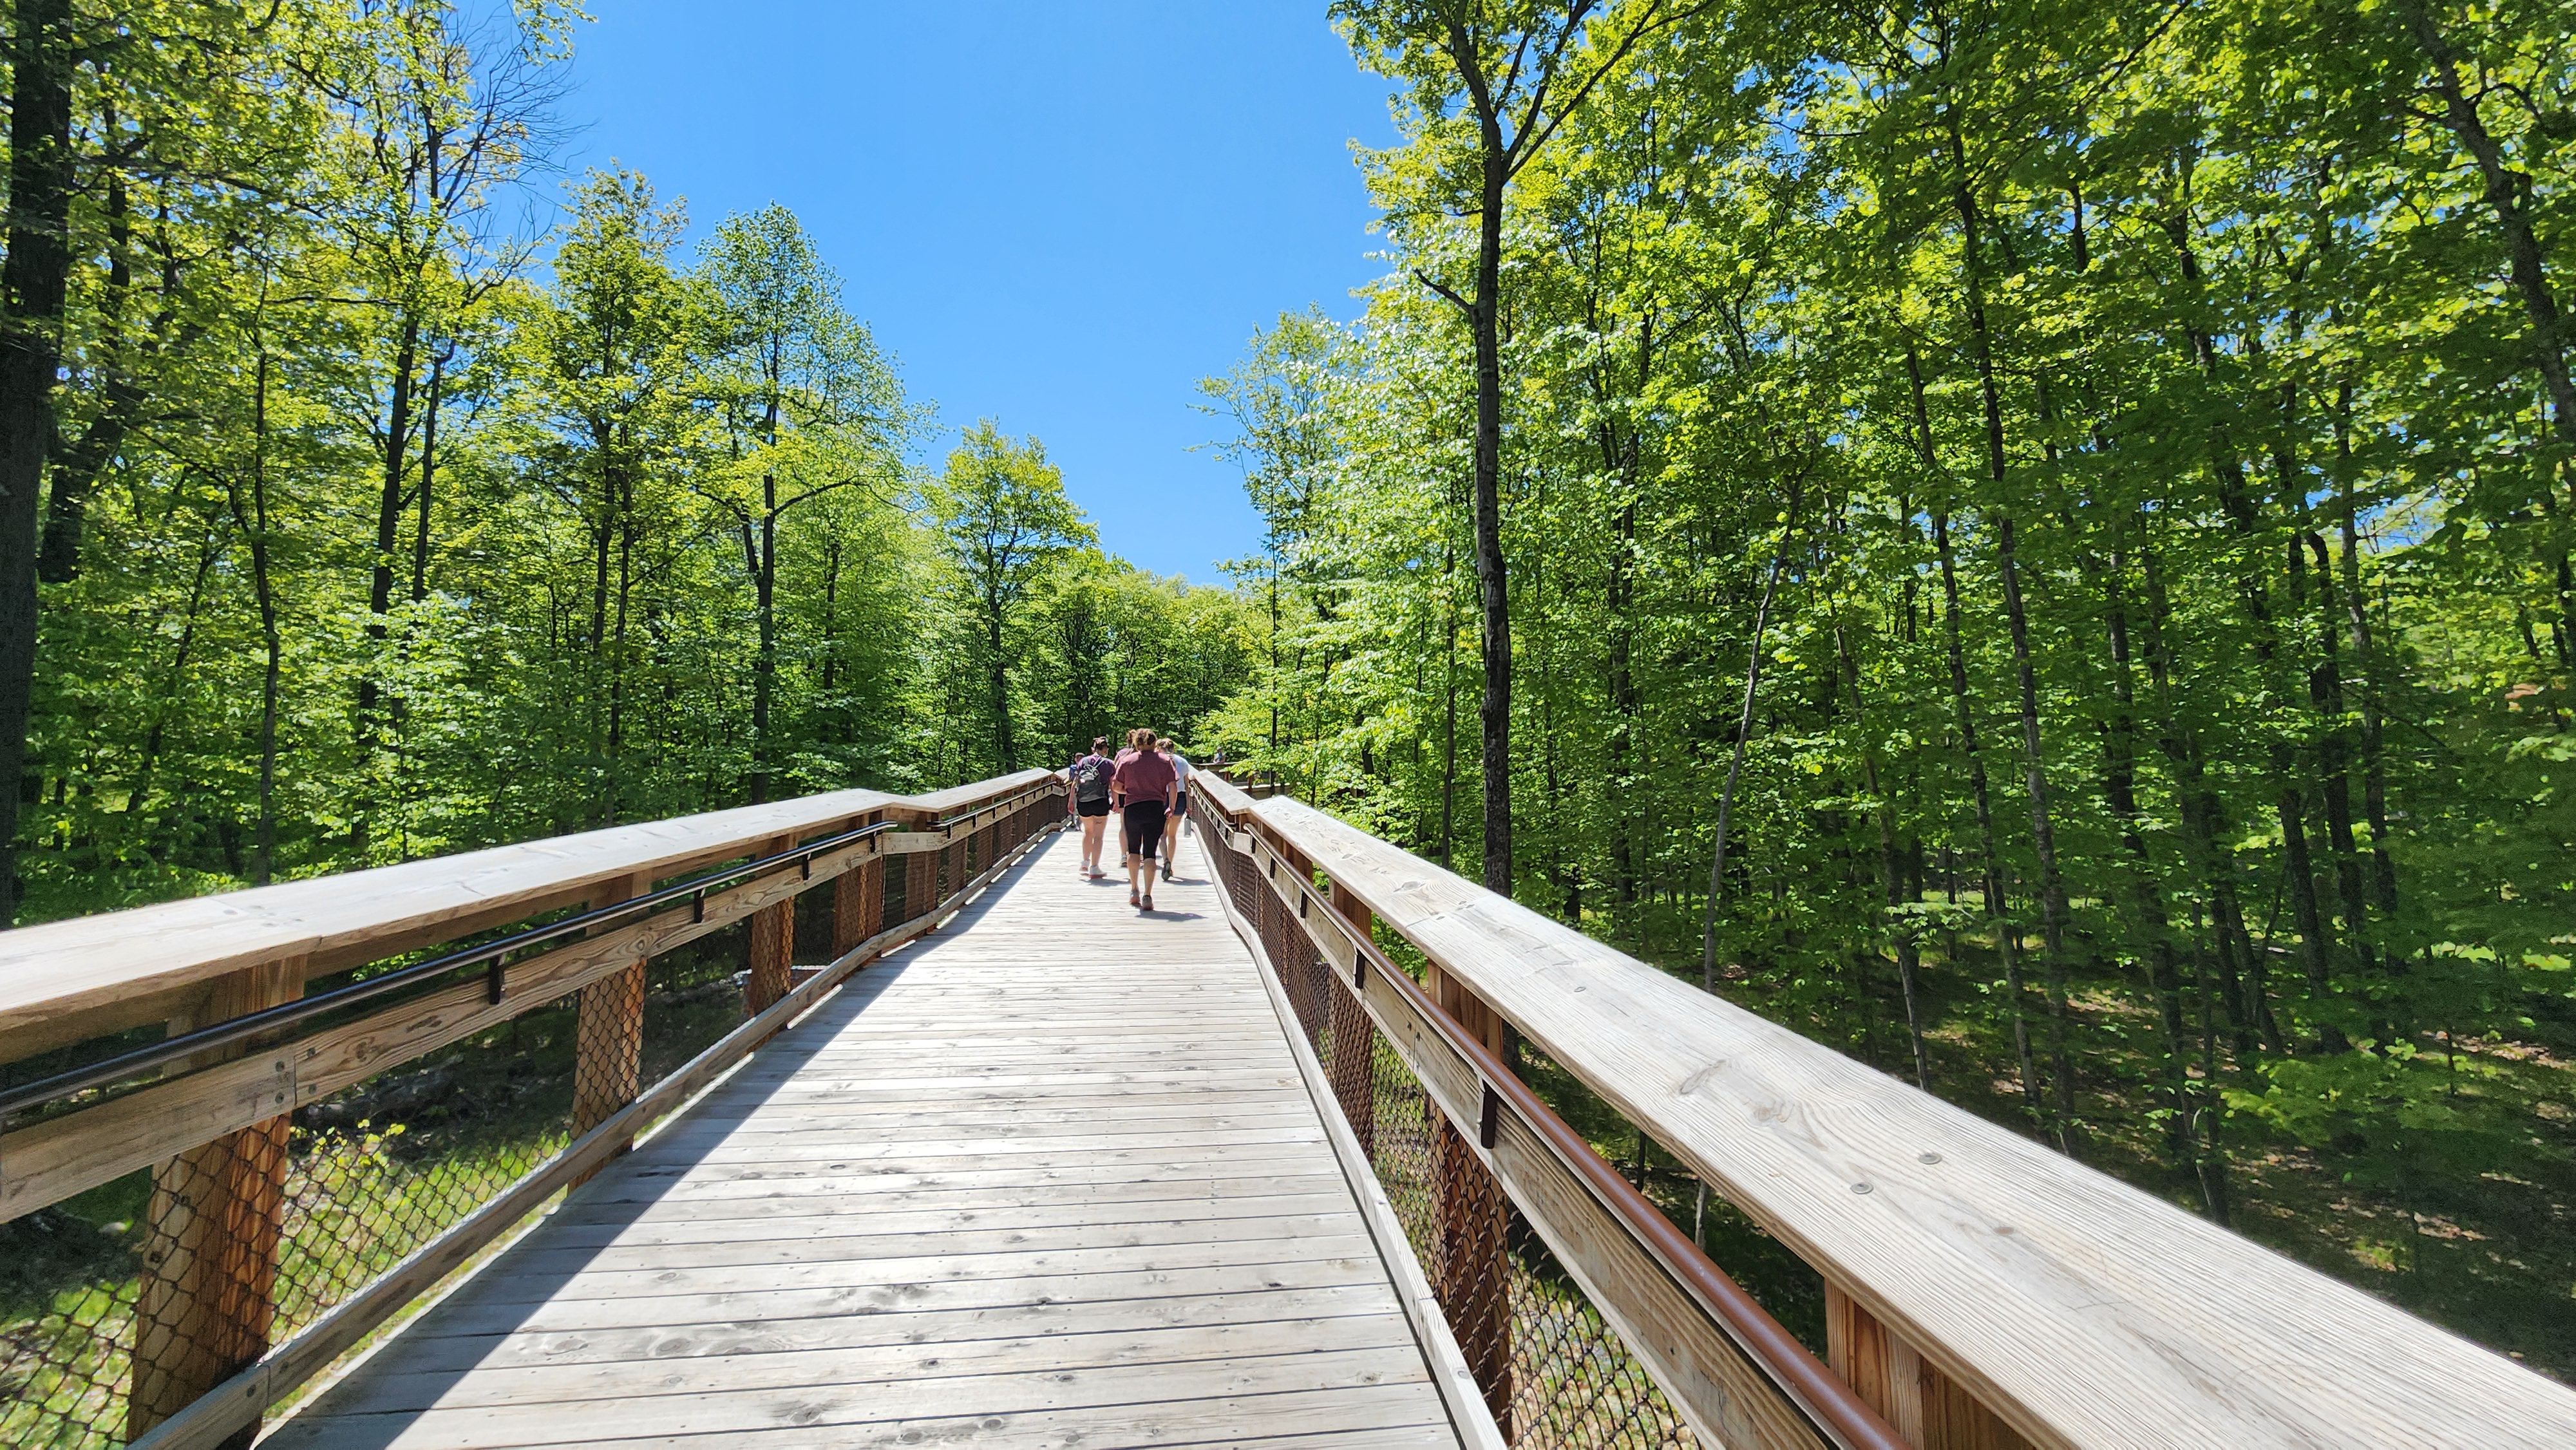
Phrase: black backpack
(1091, 779)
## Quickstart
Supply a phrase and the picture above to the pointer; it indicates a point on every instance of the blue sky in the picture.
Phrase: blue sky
(1059, 215)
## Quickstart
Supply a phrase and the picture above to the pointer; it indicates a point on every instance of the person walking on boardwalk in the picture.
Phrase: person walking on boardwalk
(1180, 804)
(1143, 785)
(1089, 775)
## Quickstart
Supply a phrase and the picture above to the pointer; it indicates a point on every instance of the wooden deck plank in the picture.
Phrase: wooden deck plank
(620, 1402)
(1385, 1414)
(1050, 1177)
(433, 1348)
(576, 1309)
(983, 1209)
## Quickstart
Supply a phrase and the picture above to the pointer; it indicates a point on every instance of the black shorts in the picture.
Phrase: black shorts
(1099, 807)
(1181, 804)
(1144, 828)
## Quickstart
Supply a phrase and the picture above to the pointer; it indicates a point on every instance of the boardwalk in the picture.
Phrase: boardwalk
(1048, 1179)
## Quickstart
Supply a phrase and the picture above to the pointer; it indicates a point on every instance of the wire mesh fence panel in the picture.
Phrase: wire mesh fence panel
(1555, 1373)
(121, 1305)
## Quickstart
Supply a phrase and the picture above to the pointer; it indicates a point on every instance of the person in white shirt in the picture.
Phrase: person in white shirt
(1181, 809)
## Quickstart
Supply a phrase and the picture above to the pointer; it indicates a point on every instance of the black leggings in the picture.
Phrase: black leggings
(1144, 828)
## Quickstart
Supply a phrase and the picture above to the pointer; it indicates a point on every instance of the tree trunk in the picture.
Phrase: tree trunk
(764, 667)
(1893, 879)
(2154, 929)
(32, 284)
(2007, 946)
(2374, 772)
(1494, 713)
(1734, 768)
(612, 776)
(428, 475)
(2204, 826)
(1623, 721)
(264, 589)
(2334, 755)
(2507, 194)
(2043, 834)
(76, 472)
(390, 498)
(1449, 721)
(1003, 744)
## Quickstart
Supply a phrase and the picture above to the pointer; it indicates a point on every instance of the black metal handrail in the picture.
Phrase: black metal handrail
(110, 1071)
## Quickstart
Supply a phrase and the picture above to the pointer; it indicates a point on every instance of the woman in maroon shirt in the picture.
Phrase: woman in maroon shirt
(1143, 783)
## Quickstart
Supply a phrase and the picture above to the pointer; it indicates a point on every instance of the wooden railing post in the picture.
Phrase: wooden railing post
(858, 905)
(1919, 1402)
(773, 946)
(217, 1213)
(608, 1036)
(1354, 1066)
(920, 884)
(1471, 1264)
(951, 862)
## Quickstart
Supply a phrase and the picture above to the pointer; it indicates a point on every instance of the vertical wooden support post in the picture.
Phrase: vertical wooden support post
(216, 1217)
(1265, 924)
(608, 1037)
(920, 884)
(951, 857)
(858, 905)
(1314, 992)
(1471, 1260)
(773, 946)
(1919, 1402)
(1354, 1066)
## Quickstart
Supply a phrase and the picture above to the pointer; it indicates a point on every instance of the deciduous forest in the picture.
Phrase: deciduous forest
(382, 491)
(2031, 542)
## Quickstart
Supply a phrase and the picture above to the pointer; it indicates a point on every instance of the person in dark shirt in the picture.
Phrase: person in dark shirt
(1143, 785)
(1180, 804)
(1089, 775)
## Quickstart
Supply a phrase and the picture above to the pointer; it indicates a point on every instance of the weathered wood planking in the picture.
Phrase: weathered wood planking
(71, 979)
(2082, 1311)
(47, 1161)
(890, 1228)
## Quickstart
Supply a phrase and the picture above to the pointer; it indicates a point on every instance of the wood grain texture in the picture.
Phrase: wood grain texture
(773, 945)
(2083, 1312)
(888, 1221)
(218, 1417)
(211, 1237)
(104, 973)
(48, 1160)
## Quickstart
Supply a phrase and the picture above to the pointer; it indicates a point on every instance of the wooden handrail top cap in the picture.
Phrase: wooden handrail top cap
(88, 966)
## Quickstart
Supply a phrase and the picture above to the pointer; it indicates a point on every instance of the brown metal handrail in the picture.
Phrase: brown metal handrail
(1831, 1409)
(1837, 1413)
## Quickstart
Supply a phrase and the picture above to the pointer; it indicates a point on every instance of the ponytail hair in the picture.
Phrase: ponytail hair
(1140, 739)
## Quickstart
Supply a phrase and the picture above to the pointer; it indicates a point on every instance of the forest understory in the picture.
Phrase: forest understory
(2488, 1259)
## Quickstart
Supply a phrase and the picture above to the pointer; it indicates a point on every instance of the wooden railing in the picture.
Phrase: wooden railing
(207, 1109)
(1982, 1292)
